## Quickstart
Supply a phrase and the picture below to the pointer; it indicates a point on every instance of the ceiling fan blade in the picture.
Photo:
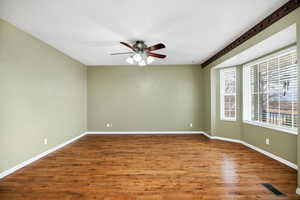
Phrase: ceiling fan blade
(156, 47)
(127, 45)
(114, 54)
(156, 55)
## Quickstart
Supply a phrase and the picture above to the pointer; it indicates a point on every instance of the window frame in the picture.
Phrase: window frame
(222, 94)
(247, 91)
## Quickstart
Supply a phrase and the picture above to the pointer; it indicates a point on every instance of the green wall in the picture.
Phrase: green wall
(43, 95)
(207, 100)
(156, 98)
(282, 144)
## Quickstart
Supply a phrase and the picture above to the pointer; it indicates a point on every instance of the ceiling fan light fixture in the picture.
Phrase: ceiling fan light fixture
(150, 59)
(130, 60)
(137, 57)
(142, 54)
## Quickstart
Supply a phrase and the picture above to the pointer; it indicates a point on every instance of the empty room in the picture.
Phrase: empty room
(149, 100)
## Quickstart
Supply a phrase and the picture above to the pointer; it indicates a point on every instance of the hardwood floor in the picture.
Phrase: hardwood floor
(150, 167)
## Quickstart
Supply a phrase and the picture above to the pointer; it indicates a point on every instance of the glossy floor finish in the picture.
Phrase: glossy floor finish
(150, 167)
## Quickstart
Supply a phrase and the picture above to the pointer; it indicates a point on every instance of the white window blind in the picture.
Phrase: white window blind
(228, 93)
(271, 91)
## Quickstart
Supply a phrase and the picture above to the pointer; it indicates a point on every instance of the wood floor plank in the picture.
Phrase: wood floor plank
(150, 167)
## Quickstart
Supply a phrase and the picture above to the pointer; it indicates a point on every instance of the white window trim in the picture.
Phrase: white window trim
(246, 100)
(273, 127)
(223, 118)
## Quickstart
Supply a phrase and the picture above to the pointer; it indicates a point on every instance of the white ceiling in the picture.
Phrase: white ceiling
(90, 30)
(279, 40)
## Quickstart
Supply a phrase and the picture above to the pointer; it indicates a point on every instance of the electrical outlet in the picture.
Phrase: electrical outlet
(45, 141)
(191, 124)
(267, 141)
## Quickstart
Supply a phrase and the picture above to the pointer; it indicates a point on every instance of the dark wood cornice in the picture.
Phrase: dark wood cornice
(268, 21)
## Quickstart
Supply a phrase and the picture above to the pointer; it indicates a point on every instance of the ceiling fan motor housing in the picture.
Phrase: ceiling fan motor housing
(140, 46)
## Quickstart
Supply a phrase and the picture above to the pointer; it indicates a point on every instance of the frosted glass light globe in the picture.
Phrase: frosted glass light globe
(137, 57)
(130, 60)
(150, 59)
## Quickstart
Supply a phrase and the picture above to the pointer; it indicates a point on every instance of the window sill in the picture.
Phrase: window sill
(272, 127)
(229, 120)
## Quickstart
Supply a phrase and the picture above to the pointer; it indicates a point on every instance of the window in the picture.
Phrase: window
(271, 91)
(228, 93)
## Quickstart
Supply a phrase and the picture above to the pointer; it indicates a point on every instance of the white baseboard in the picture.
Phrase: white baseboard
(286, 162)
(35, 158)
(141, 132)
(298, 191)
(226, 139)
(222, 138)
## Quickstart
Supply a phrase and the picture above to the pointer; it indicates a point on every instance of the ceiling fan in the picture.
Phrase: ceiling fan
(141, 53)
